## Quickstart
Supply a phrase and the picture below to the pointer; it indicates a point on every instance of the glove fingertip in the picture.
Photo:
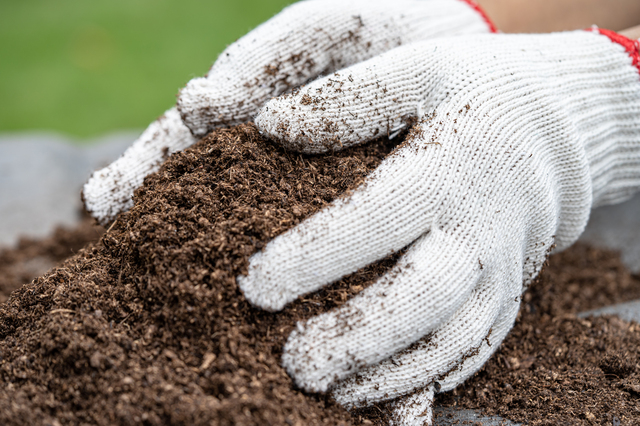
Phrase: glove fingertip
(302, 366)
(280, 121)
(196, 106)
(260, 290)
(414, 410)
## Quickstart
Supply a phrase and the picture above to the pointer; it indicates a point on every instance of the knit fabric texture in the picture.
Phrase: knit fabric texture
(304, 41)
(515, 138)
(312, 38)
(631, 46)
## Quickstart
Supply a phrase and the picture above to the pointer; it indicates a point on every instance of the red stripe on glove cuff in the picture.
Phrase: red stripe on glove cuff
(631, 46)
(475, 6)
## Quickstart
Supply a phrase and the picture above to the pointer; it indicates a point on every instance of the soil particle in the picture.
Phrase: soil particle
(147, 326)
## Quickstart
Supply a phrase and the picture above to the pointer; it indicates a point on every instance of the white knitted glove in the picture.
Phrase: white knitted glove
(305, 40)
(518, 136)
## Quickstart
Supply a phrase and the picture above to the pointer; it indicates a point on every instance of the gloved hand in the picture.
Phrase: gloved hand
(518, 136)
(305, 40)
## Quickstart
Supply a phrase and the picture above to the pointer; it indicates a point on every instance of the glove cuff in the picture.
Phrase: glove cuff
(631, 46)
(475, 6)
(614, 154)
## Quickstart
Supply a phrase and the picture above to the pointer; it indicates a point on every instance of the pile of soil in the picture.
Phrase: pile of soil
(147, 325)
(557, 369)
(32, 257)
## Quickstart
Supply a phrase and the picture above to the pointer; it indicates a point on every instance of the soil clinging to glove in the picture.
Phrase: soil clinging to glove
(148, 326)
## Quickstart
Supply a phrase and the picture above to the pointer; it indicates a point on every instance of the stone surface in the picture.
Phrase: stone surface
(629, 311)
(41, 175)
(452, 416)
(617, 227)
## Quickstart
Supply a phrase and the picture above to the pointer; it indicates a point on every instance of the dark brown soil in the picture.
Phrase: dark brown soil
(147, 325)
(32, 257)
(557, 369)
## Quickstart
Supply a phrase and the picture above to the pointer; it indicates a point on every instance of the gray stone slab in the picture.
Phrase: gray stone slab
(41, 175)
(617, 227)
(454, 416)
(629, 311)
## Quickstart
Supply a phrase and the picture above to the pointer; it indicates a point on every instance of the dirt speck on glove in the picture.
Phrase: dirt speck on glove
(147, 326)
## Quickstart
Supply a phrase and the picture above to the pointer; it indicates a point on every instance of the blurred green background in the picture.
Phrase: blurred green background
(87, 67)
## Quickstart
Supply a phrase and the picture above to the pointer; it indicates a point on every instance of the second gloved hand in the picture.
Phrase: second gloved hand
(517, 138)
(307, 39)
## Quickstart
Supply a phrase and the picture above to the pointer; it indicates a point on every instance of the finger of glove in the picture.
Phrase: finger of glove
(109, 191)
(462, 336)
(429, 283)
(377, 97)
(413, 410)
(499, 331)
(308, 39)
(395, 206)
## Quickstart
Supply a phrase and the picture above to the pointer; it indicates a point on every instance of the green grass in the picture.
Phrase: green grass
(86, 67)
